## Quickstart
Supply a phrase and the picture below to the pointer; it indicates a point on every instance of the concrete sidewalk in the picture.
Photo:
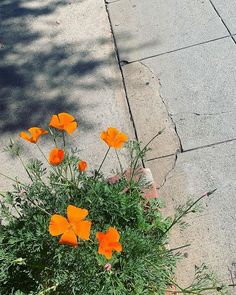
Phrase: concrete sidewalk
(177, 71)
(179, 66)
(58, 56)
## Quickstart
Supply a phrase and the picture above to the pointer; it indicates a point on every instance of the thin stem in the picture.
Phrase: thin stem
(118, 158)
(178, 248)
(54, 139)
(10, 178)
(23, 164)
(185, 212)
(64, 139)
(35, 204)
(71, 172)
(41, 151)
(141, 151)
(103, 161)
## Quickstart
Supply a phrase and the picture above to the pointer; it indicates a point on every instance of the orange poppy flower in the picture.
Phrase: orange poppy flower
(35, 133)
(70, 228)
(82, 165)
(114, 137)
(109, 242)
(64, 121)
(56, 156)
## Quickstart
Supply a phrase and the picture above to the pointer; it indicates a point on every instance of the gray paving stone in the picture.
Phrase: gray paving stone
(112, 1)
(160, 26)
(227, 9)
(149, 111)
(199, 89)
(211, 232)
(59, 57)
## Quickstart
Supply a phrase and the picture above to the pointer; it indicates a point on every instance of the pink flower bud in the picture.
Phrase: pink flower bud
(107, 266)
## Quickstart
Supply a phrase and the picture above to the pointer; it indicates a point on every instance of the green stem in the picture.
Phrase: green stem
(64, 139)
(175, 221)
(41, 151)
(97, 172)
(23, 164)
(178, 248)
(35, 204)
(141, 151)
(118, 158)
(10, 178)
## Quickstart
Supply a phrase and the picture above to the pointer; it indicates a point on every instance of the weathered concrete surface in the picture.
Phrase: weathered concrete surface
(226, 9)
(199, 89)
(161, 26)
(58, 56)
(149, 110)
(161, 168)
(210, 233)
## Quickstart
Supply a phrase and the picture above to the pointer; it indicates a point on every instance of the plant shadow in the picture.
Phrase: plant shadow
(43, 70)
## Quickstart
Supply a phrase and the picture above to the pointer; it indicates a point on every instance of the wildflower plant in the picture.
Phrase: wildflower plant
(70, 231)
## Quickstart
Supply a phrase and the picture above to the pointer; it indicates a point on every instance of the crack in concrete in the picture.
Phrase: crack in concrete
(217, 12)
(121, 71)
(164, 103)
(168, 173)
(106, 2)
(180, 150)
(199, 114)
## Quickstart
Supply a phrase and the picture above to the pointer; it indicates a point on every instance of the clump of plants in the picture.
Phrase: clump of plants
(70, 230)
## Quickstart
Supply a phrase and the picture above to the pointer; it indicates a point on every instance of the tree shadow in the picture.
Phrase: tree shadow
(40, 72)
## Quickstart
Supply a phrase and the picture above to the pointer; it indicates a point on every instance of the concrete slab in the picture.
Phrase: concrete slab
(211, 232)
(160, 26)
(226, 9)
(161, 168)
(149, 111)
(198, 87)
(111, 1)
(58, 56)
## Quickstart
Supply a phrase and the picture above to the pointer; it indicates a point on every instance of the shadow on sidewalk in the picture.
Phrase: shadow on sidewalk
(42, 73)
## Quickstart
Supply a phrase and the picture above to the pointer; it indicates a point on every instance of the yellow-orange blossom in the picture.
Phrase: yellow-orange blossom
(64, 122)
(33, 134)
(109, 242)
(113, 137)
(70, 228)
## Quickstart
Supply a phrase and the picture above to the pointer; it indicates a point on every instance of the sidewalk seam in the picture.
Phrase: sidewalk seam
(122, 75)
(123, 63)
(217, 12)
(192, 149)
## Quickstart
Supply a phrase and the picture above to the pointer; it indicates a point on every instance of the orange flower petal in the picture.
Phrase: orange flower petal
(82, 165)
(106, 252)
(65, 118)
(82, 229)
(113, 234)
(58, 225)
(108, 242)
(35, 133)
(55, 122)
(56, 156)
(26, 136)
(75, 214)
(70, 128)
(100, 236)
(64, 121)
(113, 137)
(69, 238)
(119, 141)
(116, 246)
